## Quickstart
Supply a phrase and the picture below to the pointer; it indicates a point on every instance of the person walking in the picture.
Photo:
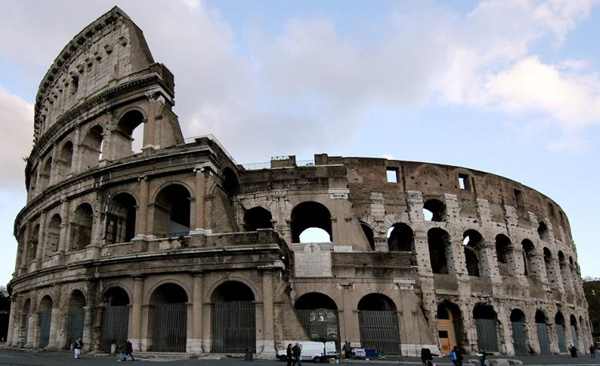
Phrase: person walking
(347, 350)
(426, 356)
(289, 355)
(122, 349)
(77, 345)
(573, 351)
(297, 352)
(456, 356)
(129, 350)
(592, 351)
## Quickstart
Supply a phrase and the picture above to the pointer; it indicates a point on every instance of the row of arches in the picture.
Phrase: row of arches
(76, 155)
(542, 334)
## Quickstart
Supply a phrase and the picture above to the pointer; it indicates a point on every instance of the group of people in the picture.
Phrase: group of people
(293, 354)
(455, 356)
(125, 350)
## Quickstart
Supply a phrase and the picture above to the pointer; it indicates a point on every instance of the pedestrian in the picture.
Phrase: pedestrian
(426, 357)
(573, 350)
(289, 355)
(482, 358)
(122, 349)
(456, 356)
(77, 345)
(347, 350)
(297, 352)
(592, 351)
(129, 350)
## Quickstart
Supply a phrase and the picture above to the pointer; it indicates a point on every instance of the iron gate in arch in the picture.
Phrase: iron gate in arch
(115, 323)
(320, 324)
(487, 337)
(574, 337)
(543, 338)
(75, 324)
(519, 338)
(562, 340)
(26, 329)
(45, 321)
(379, 330)
(169, 327)
(233, 326)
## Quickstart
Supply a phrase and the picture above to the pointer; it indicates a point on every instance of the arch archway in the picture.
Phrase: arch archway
(449, 324)
(91, 148)
(81, 227)
(574, 333)
(45, 320)
(400, 238)
(439, 250)
(487, 333)
(75, 317)
(310, 215)
(120, 219)
(115, 317)
(318, 314)
(257, 218)
(233, 318)
(542, 331)
(472, 245)
(378, 323)
(128, 136)
(559, 321)
(52, 236)
(520, 332)
(168, 318)
(172, 211)
(65, 160)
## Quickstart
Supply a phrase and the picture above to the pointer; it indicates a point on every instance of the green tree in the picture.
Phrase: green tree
(591, 289)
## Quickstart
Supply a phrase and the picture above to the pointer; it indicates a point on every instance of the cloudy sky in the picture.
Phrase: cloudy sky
(505, 86)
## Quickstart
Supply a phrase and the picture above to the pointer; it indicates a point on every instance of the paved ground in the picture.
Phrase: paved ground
(14, 357)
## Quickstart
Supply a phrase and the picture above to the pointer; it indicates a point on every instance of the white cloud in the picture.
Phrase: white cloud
(16, 139)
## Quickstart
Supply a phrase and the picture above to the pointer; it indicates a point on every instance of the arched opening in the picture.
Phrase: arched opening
(233, 318)
(52, 236)
(309, 215)
(91, 148)
(168, 319)
(231, 183)
(449, 325)
(400, 238)
(172, 212)
(542, 331)
(33, 243)
(257, 218)
(24, 330)
(81, 227)
(487, 332)
(434, 210)
(520, 332)
(45, 173)
(439, 250)
(574, 332)
(115, 317)
(368, 234)
(120, 219)
(318, 314)
(378, 323)
(559, 321)
(472, 244)
(542, 230)
(528, 255)
(128, 136)
(75, 317)
(503, 254)
(65, 160)
(45, 320)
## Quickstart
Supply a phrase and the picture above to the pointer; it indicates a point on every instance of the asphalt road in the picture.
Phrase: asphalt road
(31, 358)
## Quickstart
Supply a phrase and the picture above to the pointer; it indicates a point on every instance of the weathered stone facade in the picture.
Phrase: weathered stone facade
(180, 249)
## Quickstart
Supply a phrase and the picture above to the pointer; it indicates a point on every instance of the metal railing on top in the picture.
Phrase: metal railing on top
(211, 137)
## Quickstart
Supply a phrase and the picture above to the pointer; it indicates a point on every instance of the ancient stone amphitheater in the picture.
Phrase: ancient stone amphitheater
(178, 248)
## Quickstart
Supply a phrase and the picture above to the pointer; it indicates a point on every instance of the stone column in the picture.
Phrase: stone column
(489, 262)
(136, 312)
(35, 265)
(268, 335)
(142, 220)
(76, 159)
(200, 199)
(11, 320)
(197, 309)
(25, 254)
(54, 322)
(97, 229)
(64, 230)
(349, 327)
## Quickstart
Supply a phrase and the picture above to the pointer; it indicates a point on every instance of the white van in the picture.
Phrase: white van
(311, 351)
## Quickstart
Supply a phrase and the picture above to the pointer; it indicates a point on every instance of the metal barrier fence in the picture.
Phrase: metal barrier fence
(320, 324)
(487, 336)
(520, 338)
(115, 322)
(170, 327)
(379, 330)
(542, 331)
(562, 340)
(233, 327)
(45, 320)
(75, 324)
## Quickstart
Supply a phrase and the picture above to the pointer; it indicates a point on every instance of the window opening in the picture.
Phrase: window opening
(392, 175)
(463, 182)
(519, 198)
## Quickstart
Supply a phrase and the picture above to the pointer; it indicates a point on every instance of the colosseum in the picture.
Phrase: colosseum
(178, 248)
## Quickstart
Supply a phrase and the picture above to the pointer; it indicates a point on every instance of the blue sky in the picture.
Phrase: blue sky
(510, 87)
